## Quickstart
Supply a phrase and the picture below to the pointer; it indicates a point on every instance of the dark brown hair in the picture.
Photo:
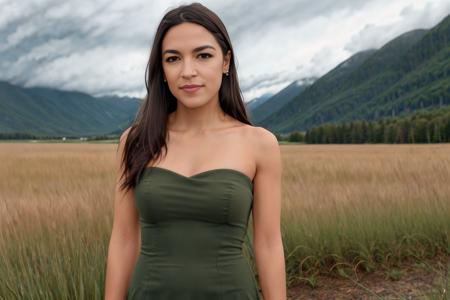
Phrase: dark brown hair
(147, 134)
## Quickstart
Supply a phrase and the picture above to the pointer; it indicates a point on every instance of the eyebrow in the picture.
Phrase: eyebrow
(195, 49)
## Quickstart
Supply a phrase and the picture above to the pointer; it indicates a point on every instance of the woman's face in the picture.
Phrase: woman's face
(186, 62)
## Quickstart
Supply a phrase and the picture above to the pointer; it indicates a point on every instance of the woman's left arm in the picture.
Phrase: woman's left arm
(267, 240)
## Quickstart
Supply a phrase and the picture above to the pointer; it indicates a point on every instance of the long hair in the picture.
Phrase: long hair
(147, 134)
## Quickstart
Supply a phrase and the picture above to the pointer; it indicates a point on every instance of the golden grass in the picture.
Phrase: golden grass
(56, 206)
(350, 208)
(346, 209)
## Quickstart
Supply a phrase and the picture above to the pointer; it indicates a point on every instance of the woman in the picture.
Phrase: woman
(189, 171)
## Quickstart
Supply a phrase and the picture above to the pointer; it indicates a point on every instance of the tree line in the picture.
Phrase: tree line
(431, 126)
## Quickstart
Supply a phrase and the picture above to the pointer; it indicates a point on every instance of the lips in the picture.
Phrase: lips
(191, 88)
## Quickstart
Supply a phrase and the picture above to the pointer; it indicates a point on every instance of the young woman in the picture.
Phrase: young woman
(190, 170)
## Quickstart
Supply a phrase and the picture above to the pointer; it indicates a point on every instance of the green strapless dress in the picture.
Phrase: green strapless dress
(192, 234)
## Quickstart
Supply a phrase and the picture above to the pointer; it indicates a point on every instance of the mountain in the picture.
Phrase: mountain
(255, 102)
(51, 112)
(277, 101)
(408, 73)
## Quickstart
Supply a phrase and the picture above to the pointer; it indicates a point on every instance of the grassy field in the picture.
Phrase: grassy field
(348, 211)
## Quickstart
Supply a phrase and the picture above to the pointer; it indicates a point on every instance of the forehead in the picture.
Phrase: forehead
(187, 36)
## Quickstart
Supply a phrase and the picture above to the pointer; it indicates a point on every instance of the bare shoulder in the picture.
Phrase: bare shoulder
(266, 149)
(121, 147)
(124, 134)
(264, 140)
(256, 132)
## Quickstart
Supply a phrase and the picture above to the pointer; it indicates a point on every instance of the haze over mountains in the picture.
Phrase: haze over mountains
(261, 109)
(409, 73)
(50, 112)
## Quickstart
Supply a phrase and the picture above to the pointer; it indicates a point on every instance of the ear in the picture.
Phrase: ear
(226, 61)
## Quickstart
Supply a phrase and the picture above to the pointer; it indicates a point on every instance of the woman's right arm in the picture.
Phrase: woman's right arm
(124, 243)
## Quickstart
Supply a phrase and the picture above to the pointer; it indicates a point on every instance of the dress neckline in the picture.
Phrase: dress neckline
(229, 170)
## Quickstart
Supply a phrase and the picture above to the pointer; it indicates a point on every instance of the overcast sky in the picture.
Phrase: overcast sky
(101, 47)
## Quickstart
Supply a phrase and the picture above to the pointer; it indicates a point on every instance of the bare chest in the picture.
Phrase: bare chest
(190, 156)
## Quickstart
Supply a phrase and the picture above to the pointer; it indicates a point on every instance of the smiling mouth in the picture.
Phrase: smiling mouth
(191, 89)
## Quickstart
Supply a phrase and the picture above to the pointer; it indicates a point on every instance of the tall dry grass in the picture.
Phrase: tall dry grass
(357, 208)
(346, 209)
(56, 205)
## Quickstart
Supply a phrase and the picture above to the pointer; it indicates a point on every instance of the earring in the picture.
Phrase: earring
(226, 73)
(165, 80)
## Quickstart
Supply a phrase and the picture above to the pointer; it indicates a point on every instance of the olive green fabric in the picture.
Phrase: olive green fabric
(192, 233)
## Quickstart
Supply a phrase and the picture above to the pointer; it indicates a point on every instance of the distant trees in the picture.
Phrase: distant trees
(28, 136)
(432, 126)
(296, 136)
(17, 136)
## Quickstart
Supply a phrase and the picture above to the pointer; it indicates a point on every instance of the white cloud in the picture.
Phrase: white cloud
(81, 71)
(102, 47)
(402, 17)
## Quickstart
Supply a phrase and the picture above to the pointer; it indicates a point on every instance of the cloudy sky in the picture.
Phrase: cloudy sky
(101, 47)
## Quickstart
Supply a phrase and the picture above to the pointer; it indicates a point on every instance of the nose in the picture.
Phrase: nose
(188, 69)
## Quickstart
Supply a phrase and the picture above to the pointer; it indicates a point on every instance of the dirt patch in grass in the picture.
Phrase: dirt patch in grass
(411, 281)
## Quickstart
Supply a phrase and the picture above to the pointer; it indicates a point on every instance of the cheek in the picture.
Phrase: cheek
(214, 78)
(212, 85)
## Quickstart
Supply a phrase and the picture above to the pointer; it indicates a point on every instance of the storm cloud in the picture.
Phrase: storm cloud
(102, 47)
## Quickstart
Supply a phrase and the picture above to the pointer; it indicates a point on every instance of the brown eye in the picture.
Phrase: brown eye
(168, 59)
(207, 54)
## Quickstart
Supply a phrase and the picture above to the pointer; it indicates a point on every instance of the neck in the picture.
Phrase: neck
(197, 120)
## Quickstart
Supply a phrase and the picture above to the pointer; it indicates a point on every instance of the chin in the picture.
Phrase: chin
(194, 103)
